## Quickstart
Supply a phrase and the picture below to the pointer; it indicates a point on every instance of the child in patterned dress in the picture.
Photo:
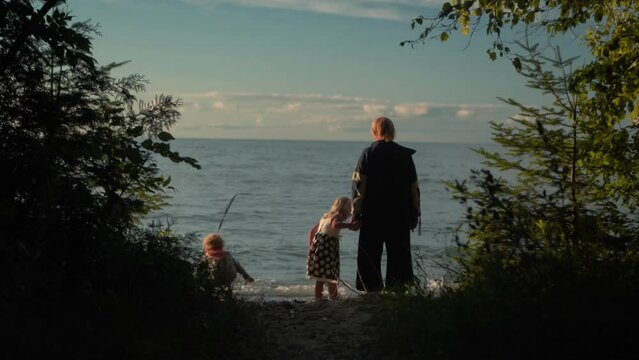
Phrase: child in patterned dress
(322, 263)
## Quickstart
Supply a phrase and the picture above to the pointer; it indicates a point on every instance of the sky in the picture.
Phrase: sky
(306, 70)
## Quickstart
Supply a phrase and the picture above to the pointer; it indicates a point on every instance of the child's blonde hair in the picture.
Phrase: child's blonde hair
(212, 241)
(341, 203)
(383, 127)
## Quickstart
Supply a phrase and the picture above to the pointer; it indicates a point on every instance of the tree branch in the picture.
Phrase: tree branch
(17, 45)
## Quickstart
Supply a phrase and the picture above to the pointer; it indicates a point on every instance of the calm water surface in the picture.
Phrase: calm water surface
(285, 186)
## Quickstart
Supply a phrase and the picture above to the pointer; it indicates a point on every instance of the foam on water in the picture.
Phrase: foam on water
(273, 290)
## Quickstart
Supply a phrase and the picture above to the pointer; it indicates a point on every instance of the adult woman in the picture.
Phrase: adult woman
(385, 209)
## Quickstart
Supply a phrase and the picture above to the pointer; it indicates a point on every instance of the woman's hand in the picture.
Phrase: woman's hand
(355, 225)
(413, 223)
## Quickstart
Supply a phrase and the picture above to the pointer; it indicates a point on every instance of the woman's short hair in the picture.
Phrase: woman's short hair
(383, 127)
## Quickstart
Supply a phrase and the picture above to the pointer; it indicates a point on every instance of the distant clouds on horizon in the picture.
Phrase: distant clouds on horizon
(289, 109)
(318, 116)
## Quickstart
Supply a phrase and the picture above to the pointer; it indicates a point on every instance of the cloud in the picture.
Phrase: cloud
(414, 109)
(333, 116)
(293, 107)
(334, 128)
(373, 109)
(284, 103)
(397, 10)
(192, 105)
(463, 113)
(288, 108)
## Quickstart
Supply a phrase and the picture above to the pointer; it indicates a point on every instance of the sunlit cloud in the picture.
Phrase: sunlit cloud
(334, 128)
(192, 105)
(327, 116)
(288, 108)
(375, 109)
(464, 113)
(398, 10)
(293, 107)
(318, 98)
(405, 110)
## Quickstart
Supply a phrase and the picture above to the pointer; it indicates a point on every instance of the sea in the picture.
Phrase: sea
(279, 190)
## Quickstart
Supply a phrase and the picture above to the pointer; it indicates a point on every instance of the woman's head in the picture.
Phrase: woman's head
(212, 241)
(341, 205)
(382, 128)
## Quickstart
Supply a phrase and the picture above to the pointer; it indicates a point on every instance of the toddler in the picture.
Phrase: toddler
(221, 265)
(322, 263)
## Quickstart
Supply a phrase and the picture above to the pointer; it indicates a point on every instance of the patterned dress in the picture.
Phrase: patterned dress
(322, 262)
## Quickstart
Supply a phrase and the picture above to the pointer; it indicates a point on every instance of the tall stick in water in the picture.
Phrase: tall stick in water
(228, 206)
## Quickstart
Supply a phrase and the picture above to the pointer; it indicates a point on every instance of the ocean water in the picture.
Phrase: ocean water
(284, 187)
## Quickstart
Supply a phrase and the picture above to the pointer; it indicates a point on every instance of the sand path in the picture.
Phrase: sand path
(319, 329)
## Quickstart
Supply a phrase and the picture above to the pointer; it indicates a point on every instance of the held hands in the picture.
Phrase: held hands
(355, 225)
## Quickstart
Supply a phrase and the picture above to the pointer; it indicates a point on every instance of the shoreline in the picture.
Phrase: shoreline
(318, 329)
(263, 290)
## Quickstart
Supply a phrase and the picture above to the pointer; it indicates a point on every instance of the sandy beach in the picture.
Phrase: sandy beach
(319, 329)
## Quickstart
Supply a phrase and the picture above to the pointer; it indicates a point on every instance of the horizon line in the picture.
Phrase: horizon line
(332, 140)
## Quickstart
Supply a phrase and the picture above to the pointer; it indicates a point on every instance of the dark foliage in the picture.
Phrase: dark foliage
(576, 319)
(551, 263)
(78, 277)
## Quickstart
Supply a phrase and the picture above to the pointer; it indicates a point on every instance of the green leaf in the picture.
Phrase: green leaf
(191, 161)
(147, 144)
(136, 131)
(443, 36)
(134, 155)
(165, 136)
(517, 63)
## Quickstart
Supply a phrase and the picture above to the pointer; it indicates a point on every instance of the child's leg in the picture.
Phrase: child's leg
(332, 290)
(319, 289)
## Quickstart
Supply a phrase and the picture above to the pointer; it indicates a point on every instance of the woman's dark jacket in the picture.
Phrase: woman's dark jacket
(385, 186)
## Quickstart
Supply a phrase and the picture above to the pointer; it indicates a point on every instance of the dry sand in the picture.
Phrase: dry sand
(320, 329)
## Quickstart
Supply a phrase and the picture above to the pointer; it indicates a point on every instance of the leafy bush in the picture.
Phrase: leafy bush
(78, 277)
(140, 300)
(550, 266)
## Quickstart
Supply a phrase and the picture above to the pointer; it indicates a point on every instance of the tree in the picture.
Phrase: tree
(611, 32)
(574, 199)
(77, 147)
(608, 84)
(78, 151)
(552, 254)
(557, 212)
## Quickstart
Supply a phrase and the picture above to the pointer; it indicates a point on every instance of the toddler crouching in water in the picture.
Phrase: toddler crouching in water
(220, 266)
